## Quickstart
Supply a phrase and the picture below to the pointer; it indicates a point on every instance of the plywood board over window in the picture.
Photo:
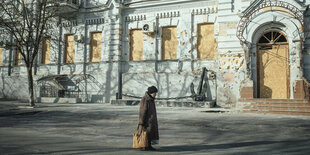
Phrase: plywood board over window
(169, 43)
(136, 45)
(0, 56)
(206, 43)
(70, 49)
(18, 58)
(46, 51)
(95, 44)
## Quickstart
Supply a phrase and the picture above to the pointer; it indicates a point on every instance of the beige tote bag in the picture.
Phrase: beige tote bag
(139, 141)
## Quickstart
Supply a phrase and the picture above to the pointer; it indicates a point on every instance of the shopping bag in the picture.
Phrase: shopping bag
(139, 141)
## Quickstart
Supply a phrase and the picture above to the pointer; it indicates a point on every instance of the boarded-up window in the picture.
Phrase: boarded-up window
(0, 56)
(95, 47)
(136, 45)
(206, 41)
(46, 51)
(169, 43)
(18, 58)
(70, 49)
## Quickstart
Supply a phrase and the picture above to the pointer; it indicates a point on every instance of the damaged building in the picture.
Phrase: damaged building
(224, 51)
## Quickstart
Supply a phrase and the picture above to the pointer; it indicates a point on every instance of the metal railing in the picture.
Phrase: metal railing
(75, 2)
(71, 94)
(50, 91)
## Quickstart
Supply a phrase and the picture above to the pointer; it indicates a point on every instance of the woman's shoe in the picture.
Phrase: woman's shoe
(150, 148)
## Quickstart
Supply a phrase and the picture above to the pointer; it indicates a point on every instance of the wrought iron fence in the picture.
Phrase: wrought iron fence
(76, 2)
(50, 91)
(71, 94)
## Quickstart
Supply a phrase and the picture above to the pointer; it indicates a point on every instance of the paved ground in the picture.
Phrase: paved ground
(83, 129)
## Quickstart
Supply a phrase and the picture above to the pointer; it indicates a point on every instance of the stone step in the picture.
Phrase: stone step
(165, 103)
(278, 108)
(278, 104)
(274, 100)
(296, 113)
(275, 106)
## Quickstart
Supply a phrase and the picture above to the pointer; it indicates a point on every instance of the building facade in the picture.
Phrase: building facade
(117, 48)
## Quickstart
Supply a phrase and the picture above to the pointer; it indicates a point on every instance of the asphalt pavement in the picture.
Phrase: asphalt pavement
(83, 129)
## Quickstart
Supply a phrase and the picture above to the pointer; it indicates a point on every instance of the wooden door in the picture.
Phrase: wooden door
(273, 72)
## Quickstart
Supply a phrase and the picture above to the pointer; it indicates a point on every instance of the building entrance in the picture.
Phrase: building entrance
(273, 66)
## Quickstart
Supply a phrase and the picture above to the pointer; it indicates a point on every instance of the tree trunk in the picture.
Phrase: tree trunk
(30, 87)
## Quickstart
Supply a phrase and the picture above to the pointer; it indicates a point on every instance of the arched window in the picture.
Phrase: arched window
(272, 37)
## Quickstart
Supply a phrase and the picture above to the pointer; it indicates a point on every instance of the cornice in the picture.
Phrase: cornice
(160, 7)
(154, 3)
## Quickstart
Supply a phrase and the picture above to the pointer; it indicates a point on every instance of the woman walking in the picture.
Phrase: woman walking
(148, 118)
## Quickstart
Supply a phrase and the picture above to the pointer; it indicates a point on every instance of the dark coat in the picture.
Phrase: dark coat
(148, 116)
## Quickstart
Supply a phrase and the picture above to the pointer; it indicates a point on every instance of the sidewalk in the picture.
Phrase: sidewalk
(13, 107)
(107, 129)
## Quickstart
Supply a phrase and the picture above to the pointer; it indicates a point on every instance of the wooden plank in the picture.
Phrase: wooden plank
(0, 56)
(206, 41)
(46, 51)
(169, 43)
(18, 59)
(95, 43)
(70, 49)
(274, 73)
(136, 45)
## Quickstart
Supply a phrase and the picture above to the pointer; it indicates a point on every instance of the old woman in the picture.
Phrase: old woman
(148, 117)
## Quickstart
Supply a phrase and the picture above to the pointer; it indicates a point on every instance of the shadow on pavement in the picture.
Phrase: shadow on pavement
(294, 144)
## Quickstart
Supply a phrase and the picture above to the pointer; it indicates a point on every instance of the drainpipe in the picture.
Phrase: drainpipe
(35, 65)
(85, 47)
(120, 61)
(85, 57)
(156, 43)
(302, 58)
(192, 40)
(120, 76)
(10, 55)
(59, 47)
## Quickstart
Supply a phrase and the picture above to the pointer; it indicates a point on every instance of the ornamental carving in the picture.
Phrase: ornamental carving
(259, 8)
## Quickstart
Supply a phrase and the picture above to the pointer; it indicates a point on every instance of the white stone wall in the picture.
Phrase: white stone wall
(234, 68)
(14, 87)
(172, 77)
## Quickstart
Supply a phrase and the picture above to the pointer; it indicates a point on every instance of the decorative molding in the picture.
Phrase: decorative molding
(168, 14)
(68, 23)
(94, 21)
(169, 5)
(49, 26)
(248, 15)
(135, 18)
(204, 11)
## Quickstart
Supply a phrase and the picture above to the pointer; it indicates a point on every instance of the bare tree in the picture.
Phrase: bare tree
(28, 23)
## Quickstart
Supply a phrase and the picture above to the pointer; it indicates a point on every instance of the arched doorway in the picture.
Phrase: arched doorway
(273, 66)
